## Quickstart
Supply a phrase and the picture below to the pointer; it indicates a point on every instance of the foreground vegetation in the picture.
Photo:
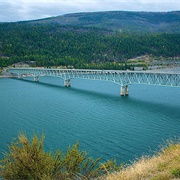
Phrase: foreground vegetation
(163, 166)
(27, 159)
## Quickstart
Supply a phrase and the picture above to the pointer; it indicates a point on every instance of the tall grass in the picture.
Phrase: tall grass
(164, 165)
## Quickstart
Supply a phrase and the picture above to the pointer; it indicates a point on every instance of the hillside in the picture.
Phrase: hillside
(122, 21)
(99, 40)
(54, 45)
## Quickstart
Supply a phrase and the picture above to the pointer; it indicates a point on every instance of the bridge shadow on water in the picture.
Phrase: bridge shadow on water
(116, 99)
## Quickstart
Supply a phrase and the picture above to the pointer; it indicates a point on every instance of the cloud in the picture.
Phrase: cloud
(18, 10)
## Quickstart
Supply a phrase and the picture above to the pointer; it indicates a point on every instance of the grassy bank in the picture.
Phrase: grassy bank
(164, 165)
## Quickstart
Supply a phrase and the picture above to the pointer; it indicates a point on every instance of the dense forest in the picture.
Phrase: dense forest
(79, 47)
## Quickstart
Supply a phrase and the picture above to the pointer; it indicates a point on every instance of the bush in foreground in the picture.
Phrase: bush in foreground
(27, 159)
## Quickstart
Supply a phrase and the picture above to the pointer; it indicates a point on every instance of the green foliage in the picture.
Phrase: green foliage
(27, 159)
(54, 45)
(175, 172)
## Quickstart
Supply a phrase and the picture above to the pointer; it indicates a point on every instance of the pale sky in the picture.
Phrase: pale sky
(20, 10)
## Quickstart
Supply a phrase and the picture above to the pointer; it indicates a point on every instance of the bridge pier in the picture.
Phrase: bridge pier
(67, 83)
(124, 91)
(19, 76)
(36, 78)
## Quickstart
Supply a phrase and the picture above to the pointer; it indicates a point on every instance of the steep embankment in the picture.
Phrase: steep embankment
(162, 166)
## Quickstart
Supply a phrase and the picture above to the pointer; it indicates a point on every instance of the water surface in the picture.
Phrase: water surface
(91, 112)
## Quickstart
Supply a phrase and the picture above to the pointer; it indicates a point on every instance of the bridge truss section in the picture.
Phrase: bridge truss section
(123, 78)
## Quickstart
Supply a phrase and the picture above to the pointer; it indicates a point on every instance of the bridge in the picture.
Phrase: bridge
(123, 78)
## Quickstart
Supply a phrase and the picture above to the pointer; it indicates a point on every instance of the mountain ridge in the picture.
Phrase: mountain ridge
(123, 21)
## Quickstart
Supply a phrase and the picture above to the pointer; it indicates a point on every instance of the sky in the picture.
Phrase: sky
(20, 10)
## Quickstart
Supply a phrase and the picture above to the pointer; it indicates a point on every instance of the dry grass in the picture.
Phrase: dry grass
(162, 166)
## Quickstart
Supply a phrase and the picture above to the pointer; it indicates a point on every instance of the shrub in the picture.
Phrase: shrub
(176, 172)
(27, 159)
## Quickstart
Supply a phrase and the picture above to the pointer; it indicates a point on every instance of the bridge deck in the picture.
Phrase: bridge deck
(123, 78)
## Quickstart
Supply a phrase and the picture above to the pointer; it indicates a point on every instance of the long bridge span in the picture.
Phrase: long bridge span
(123, 78)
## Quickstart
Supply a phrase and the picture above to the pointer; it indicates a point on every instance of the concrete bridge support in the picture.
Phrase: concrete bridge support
(20, 76)
(124, 91)
(67, 83)
(36, 78)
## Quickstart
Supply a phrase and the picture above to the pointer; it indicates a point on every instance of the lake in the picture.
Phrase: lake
(91, 112)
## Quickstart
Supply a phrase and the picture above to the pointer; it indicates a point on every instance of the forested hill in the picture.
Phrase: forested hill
(122, 21)
(82, 44)
(54, 45)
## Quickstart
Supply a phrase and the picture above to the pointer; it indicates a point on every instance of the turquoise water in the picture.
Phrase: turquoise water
(91, 112)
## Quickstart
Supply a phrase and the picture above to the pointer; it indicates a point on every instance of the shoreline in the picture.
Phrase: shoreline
(1, 76)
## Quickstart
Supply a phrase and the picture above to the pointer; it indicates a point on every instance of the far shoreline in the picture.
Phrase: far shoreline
(5, 76)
